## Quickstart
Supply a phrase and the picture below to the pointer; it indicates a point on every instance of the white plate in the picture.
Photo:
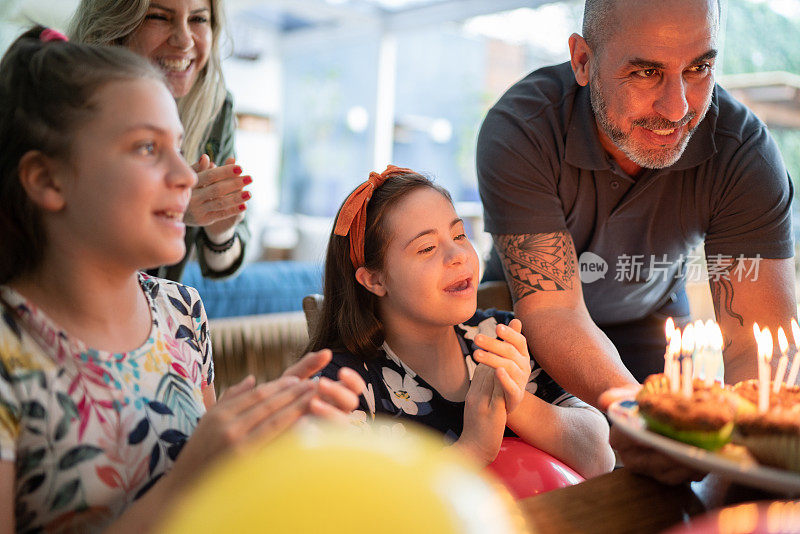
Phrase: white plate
(625, 415)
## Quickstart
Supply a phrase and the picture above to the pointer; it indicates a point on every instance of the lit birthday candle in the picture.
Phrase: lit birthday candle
(783, 344)
(757, 335)
(675, 371)
(698, 358)
(687, 349)
(700, 346)
(669, 357)
(764, 357)
(790, 380)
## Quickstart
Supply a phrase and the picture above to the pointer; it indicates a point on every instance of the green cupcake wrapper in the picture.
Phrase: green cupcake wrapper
(705, 439)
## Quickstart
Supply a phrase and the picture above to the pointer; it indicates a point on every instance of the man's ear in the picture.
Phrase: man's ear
(38, 175)
(580, 56)
(372, 281)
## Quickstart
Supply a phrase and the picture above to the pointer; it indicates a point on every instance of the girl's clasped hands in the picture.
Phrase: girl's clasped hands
(497, 388)
(508, 355)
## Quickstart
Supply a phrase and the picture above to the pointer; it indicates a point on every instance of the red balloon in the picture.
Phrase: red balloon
(527, 471)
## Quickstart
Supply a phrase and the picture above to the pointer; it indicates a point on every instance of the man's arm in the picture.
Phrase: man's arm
(745, 291)
(542, 272)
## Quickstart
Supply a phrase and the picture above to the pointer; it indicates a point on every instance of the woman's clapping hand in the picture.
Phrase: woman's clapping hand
(218, 199)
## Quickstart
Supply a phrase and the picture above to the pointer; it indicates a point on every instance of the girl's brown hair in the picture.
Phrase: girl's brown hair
(349, 317)
(46, 93)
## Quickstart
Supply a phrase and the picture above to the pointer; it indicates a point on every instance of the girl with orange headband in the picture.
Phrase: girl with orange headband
(400, 309)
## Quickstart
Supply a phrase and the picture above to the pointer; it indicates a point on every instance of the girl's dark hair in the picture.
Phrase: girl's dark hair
(349, 317)
(46, 91)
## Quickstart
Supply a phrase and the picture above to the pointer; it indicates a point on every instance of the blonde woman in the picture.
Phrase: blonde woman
(181, 37)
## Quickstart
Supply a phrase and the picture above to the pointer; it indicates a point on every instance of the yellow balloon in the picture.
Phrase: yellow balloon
(334, 479)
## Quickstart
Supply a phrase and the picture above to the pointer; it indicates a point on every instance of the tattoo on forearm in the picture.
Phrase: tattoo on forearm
(722, 295)
(537, 262)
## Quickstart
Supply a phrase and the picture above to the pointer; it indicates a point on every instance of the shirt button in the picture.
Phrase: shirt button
(615, 185)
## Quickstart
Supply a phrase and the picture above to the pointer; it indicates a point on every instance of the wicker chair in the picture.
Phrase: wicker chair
(312, 305)
(262, 345)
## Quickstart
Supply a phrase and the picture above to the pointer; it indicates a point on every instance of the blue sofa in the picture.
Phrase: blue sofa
(260, 288)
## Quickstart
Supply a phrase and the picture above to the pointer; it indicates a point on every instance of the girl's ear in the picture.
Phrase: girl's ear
(372, 281)
(39, 177)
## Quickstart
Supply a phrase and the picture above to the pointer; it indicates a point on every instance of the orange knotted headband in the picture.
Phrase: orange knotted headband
(352, 218)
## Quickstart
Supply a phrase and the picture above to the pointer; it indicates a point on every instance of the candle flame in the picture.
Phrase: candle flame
(757, 332)
(716, 334)
(795, 333)
(766, 339)
(701, 335)
(783, 343)
(687, 339)
(675, 342)
(669, 328)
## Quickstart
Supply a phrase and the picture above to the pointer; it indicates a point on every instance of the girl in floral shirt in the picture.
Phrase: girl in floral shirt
(106, 374)
(400, 308)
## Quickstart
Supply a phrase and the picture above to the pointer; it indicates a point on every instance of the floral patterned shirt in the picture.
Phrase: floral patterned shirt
(394, 389)
(90, 431)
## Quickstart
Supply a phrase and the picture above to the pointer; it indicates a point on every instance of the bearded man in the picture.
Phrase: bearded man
(601, 175)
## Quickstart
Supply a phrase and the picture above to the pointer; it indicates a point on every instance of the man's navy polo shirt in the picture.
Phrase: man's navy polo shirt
(542, 169)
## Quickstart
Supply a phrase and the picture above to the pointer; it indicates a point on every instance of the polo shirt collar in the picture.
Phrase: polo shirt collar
(583, 148)
(584, 151)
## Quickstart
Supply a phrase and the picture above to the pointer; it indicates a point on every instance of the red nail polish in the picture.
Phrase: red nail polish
(237, 170)
(247, 180)
(246, 195)
(242, 207)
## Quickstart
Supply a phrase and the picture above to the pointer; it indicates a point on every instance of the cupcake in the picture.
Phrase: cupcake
(660, 383)
(705, 419)
(773, 437)
(786, 396)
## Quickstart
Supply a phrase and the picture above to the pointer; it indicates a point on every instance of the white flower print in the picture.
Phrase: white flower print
(369, 396)
(487, 327)
(393, 357)
(471, 365)
(358, 418)
(405, 393)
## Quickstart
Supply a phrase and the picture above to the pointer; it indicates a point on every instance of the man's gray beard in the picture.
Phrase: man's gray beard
(648, 158)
